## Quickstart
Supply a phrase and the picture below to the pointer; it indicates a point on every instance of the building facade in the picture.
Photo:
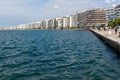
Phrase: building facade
(96, 17)
(117, 11)
(66, 22)
(110, 13)
(59, 23)
(82, 18)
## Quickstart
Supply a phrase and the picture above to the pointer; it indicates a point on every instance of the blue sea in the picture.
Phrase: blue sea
(56, 55)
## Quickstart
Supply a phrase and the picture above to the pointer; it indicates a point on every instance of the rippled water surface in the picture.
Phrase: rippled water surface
(56, 55)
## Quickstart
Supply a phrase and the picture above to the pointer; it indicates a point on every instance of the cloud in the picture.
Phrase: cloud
(110, 1)
(107, 1)
(56, 6)
(113, 5)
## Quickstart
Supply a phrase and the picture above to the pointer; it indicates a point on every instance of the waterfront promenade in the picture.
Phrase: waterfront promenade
(112, 36)
(112, 39)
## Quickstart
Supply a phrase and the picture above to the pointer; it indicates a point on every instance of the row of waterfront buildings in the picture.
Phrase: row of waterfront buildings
(87, 18)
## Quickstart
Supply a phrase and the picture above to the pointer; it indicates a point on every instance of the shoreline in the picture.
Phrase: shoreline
(41, 29)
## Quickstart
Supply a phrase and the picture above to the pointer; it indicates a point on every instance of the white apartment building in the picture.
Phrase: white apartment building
(117, 11)
(59, 23)
(52, 23)
(73, 20)
(43, 24)
(66, 22)
(46, 24)
(110, 13)
(113, 12)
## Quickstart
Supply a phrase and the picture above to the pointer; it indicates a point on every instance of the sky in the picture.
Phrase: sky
(16, 12)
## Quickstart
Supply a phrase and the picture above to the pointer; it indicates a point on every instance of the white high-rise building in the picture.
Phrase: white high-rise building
(46, 25)
(59, 23)
(117, 11)
(52, 23)
(66, 22)
(43, 24)
(113, 12)
(73, 21)
(110, 13)
(36, 25)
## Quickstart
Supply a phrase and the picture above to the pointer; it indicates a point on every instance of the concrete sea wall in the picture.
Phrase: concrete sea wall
(114, 44)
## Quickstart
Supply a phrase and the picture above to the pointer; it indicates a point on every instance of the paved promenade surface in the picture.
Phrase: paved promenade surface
(112, 36)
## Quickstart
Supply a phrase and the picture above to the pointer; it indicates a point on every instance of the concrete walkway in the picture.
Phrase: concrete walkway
(112, 36)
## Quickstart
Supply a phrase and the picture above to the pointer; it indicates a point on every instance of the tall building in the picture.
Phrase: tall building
(96, 17)
(117, 11)
(59, 23)
(43, 24)
(46, 24)
(66, 22)
(37, 25)
(113, 12)
(74, 20)
(81, 18)
(110, 13)
(71, 21)
(52, 24)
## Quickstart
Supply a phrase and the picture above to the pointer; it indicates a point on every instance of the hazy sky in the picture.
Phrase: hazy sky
(15, 12)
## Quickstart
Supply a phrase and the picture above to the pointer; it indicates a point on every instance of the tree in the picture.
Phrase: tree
(111, 23)
(102, 25)
(117, 21)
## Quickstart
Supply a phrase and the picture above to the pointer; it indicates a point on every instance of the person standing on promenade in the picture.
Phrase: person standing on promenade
(101, 28)
(116, 29)
(109, 31)
(106, 28)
